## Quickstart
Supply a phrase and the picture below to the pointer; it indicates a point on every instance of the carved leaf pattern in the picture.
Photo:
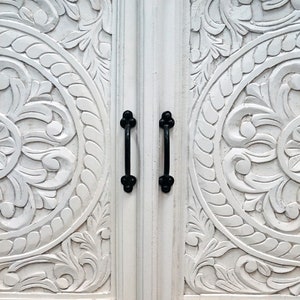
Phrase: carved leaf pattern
(81, 265)
(50, 167)
(68, 7)
(215, 21)
(94, 39)
(38, 148)
(202, 247)
(42, 14)
(260, 144)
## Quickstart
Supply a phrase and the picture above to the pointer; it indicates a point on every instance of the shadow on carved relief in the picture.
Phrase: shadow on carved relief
(243, 214)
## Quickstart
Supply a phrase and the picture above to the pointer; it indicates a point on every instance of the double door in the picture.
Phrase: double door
(229, 73)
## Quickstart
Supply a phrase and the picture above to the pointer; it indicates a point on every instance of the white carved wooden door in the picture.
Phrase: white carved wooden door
(58, 117)
(242, 214)
(229, 71)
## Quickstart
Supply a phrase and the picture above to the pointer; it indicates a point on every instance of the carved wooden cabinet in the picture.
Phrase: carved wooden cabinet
(229, 71)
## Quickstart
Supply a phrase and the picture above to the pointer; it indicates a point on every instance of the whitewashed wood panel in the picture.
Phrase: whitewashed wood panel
(243, 212)
(55, 194)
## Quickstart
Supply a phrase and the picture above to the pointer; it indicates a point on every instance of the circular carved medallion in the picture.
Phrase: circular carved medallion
(52, 142)
(246, 147)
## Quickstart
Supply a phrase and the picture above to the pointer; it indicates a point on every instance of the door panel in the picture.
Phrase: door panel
(55, 146)
(243, 210)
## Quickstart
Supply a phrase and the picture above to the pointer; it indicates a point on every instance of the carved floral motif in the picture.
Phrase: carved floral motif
(53, 148)
(81, 265)
(219, 28)
(41, 14)
(205, 273)
(93, 36)
(243, 213)
(94, 39)
(35, 162)
(263, 133)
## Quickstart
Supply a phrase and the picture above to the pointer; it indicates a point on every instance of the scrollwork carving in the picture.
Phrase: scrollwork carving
(206, 270)
(245, 149)
(81, 264)
(220, 28)
(94, 39)
(41, 14)
(53, 153)
(36, 161)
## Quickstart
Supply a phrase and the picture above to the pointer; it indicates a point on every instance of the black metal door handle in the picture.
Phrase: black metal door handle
(166, 122)
(128, 122)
